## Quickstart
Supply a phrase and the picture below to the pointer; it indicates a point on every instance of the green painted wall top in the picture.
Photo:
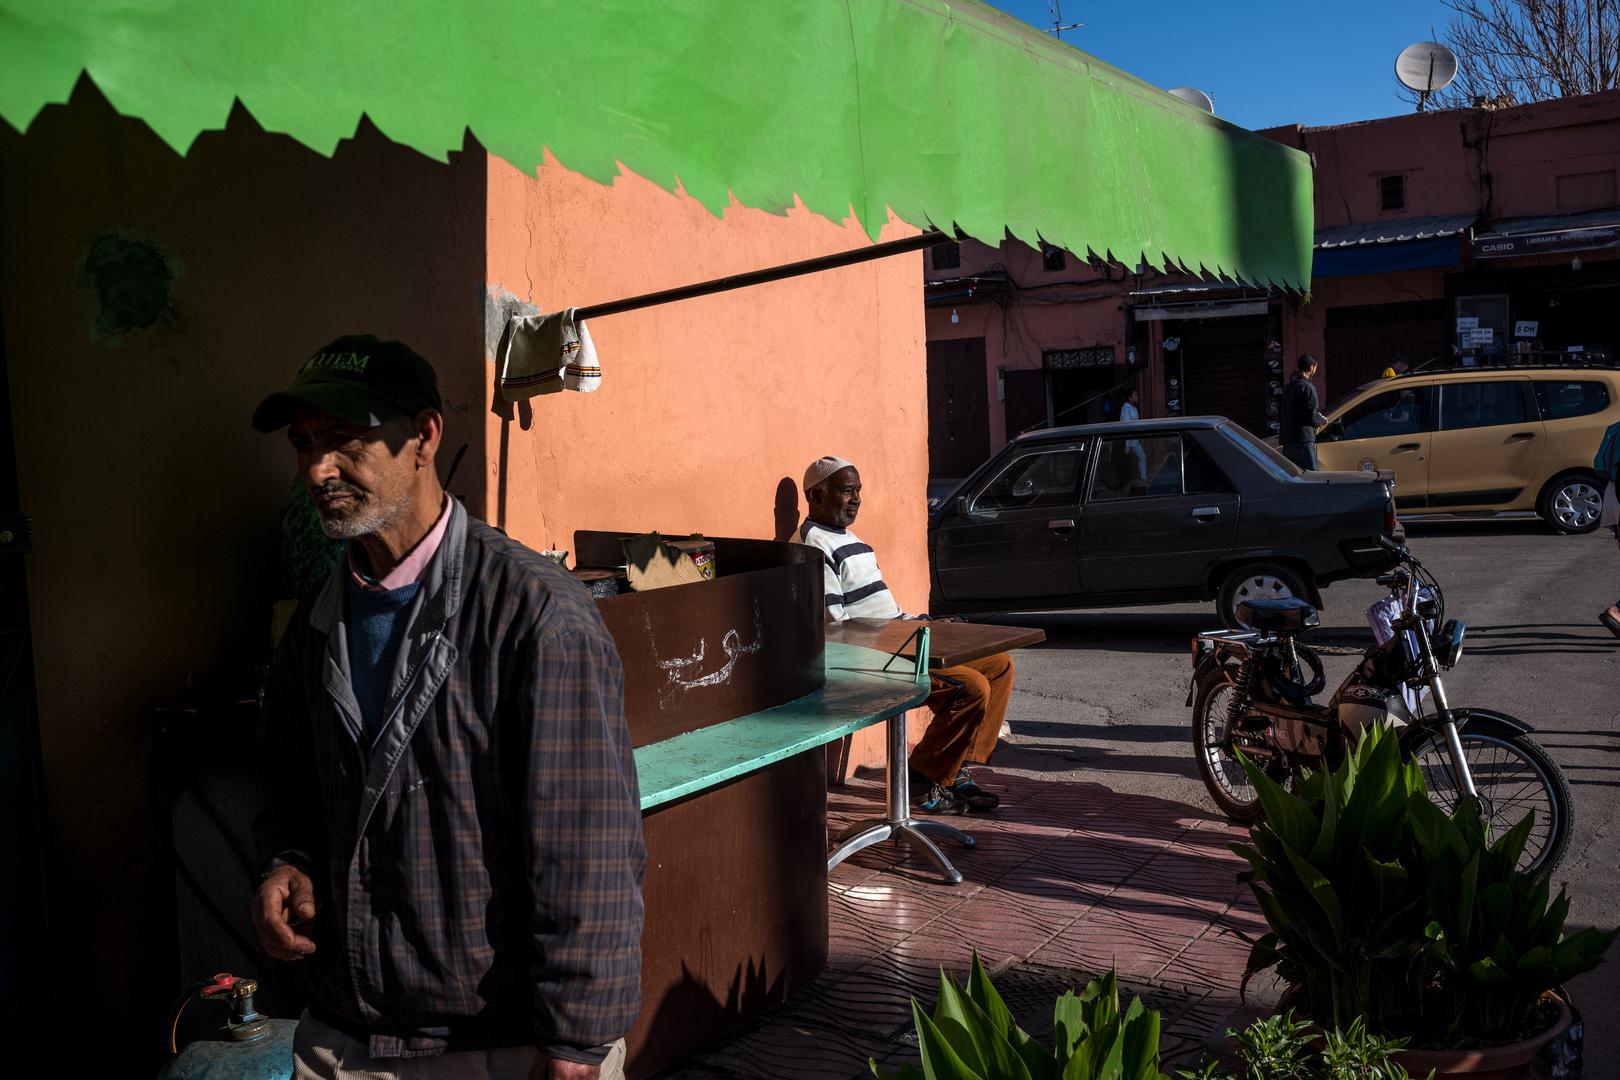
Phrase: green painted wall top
(948, 112)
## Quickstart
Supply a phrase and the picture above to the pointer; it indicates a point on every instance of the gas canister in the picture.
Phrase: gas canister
(251, 1046)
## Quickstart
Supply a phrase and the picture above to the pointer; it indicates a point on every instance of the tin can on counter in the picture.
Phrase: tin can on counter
(701, 552)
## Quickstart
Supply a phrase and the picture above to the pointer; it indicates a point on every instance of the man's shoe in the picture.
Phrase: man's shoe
(971, 793)
(933, 798)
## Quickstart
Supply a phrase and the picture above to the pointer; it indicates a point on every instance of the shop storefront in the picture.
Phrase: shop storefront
(1220, 352)
(1518, 304)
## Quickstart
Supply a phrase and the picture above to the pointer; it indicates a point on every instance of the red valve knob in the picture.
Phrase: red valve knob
(223, 984)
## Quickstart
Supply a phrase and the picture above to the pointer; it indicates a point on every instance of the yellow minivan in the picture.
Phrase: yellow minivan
(1479, 441)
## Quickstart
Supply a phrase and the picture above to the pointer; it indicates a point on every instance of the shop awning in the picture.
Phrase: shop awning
(1386, 246)
(1198, 300)
(1559, 232)
(947, 111)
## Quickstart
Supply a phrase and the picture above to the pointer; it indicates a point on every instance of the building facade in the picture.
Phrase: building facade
(1471, 236)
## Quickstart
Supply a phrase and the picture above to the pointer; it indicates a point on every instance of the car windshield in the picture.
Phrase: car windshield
(1342, 400)
(1263, 455)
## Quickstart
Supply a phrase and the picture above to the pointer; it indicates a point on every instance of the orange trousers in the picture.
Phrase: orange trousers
(969, 703)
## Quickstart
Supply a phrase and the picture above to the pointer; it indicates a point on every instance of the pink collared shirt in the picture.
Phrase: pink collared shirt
(410, 568)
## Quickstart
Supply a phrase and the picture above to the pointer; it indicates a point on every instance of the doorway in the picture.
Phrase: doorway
(1360, 342)
(1078, 384)
(958, 408)
(1224, 368)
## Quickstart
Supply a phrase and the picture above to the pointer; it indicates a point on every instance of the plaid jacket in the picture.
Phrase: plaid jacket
(479, 868)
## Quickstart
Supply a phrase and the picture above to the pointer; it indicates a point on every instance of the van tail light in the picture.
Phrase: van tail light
(1389, 517)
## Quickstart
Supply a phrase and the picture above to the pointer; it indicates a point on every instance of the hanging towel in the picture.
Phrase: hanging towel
(544, 354)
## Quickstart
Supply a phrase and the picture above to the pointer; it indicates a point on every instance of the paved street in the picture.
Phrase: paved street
(1102, 699)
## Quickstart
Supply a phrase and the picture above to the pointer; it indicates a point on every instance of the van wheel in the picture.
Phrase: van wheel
(1257, 581)
(1572, 503)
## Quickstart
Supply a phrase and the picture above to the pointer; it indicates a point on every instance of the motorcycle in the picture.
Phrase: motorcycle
(1249, 693)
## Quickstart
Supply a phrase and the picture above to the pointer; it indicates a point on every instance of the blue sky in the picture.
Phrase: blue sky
(1265, 62)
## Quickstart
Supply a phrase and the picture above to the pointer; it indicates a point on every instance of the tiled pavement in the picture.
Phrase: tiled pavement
(1067, 878)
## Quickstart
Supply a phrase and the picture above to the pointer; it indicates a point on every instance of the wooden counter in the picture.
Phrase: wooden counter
(731, 692)
(735, 818)
(950, 643)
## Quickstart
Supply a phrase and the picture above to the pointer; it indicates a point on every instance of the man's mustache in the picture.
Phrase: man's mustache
(335, 486)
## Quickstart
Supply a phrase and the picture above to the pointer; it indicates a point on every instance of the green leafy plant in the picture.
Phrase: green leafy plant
(1347, 919)
(1281, 1048)
(972, 1036)
(1496, 945)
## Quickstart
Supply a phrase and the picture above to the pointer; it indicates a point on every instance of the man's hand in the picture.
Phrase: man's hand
(285, 895)
(550, 1068)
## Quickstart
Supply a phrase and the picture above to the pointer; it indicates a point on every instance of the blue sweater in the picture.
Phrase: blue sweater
(376, 622)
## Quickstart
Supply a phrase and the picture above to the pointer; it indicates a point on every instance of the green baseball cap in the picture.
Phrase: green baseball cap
(358, 378)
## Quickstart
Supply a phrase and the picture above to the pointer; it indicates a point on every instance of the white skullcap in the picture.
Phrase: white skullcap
(820, 470)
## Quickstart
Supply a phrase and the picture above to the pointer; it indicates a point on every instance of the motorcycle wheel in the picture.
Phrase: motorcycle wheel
(1228, 784)
(1513, 775)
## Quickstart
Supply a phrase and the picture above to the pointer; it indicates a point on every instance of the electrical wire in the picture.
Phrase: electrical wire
(179, 1007)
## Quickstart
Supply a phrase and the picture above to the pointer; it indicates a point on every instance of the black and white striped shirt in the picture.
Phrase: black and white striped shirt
(855, 588)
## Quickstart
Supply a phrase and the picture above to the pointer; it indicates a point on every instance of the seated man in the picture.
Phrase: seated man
(968, 702)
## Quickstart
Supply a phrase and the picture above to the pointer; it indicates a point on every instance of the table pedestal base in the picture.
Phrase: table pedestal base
(899, 824)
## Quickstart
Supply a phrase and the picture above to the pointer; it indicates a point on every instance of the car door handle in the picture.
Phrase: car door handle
(1521, 435)
(1408, 446)
(1206, 511)
(1061, 523)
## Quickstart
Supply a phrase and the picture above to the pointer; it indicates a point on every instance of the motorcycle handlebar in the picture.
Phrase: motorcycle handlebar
(1399, 548)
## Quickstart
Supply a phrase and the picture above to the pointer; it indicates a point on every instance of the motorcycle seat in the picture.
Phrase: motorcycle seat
(1281, 616)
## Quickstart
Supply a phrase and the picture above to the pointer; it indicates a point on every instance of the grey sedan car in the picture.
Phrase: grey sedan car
(1148, 512)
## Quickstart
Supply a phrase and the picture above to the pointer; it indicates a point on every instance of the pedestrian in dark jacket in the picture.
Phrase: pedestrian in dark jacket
(454, 837)
(1607, 466)
(1300, 416)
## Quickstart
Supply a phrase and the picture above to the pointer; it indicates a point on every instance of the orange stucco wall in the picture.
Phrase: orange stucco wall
(709, 409)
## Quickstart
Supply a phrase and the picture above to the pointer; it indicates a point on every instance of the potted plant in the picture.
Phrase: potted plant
(1281, 1048)
(1497, 946)
(1345, 915)
(1381, 906)
(972, 1036)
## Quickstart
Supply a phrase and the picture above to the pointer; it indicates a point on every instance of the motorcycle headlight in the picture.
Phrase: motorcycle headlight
(1448, 643)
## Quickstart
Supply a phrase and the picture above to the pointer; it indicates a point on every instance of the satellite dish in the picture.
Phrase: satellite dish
(1196, 98)
(1426, 67)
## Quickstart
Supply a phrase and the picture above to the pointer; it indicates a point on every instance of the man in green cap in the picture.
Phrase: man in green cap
(453, 842)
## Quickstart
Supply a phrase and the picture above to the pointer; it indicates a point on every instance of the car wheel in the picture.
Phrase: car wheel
(1257, 581)
(1572, 504)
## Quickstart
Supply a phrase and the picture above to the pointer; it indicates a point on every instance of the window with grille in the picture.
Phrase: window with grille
(1058, 359)
(1052, 260)
(946, 256)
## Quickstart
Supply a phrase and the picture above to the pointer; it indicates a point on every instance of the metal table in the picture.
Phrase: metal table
(955, 643)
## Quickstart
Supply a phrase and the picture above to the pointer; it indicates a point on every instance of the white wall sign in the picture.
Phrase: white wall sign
(1466, 323)
(1482, 335)
(1526, 327)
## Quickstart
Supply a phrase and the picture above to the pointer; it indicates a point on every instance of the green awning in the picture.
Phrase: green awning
(948, 111)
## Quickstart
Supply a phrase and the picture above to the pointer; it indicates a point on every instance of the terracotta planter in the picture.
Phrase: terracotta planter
(1495, 1063)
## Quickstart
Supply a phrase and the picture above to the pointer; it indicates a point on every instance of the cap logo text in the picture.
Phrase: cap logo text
(339, 362)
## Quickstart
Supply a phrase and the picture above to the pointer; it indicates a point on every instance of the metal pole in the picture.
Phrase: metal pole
(899, 779)
(760, 277)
